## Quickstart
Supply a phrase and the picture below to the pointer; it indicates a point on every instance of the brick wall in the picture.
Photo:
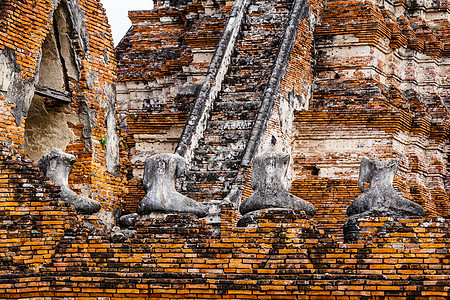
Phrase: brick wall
(162, 62)
(381, 102)
(284, 257)
(219, 154)
(26, 25)
(32, 218)
(372, 97)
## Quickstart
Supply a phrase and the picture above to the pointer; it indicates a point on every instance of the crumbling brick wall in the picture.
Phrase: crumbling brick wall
(91, 129)
(284, 256)
(48, 251)
(380, 90)
(32, 217)
(162, 63)
(221, 148)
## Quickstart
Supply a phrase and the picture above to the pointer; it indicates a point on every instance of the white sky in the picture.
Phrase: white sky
(117, 11)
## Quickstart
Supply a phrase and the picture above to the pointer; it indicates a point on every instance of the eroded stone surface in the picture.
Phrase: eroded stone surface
(57, 166)
(380, 199)
(160, 173)
(219, 153)
(129, 220)
(119, 235)
(252, 218)
(268, 175)
(46, 127)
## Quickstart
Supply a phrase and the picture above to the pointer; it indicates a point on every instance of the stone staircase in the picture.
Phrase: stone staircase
(217, 157)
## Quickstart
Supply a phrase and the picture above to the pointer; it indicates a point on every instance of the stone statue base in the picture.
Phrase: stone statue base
(268, 180)
(160, 173)
(57, 166)
(380, 199)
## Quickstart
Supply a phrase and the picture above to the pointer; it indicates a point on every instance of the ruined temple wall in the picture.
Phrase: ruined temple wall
(284, 256)
(47, 251)
(327, 159)
(33, 219)
(296, 84)
(293, 92)
(89, 126)
(380, 90)
(162, 62)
